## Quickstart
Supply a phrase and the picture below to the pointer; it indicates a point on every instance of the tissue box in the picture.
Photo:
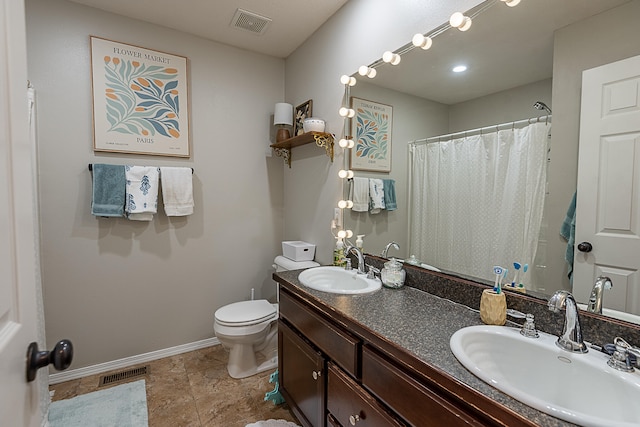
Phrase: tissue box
(298, 251)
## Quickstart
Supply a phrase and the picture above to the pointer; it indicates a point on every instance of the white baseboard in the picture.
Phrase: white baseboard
(74, 374)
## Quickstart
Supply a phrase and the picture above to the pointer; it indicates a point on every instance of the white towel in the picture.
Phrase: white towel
(141, 192)
(177, 190)
(359, 194)
(376, 194)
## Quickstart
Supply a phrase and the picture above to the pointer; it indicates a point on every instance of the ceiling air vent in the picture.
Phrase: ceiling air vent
(249, 21)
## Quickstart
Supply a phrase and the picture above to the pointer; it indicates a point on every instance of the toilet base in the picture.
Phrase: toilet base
(243, 362)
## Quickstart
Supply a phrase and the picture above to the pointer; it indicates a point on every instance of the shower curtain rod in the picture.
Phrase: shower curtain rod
(438, 138)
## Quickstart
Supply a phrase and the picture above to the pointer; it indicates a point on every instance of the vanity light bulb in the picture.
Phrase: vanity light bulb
(348, 80)
(349, 176)
(342, 234)
(371, 73)
(350, 143)
(456, 20)
(342, 173)
(393, 58)
(349, 234)
(466, 24)
(363, 70)
(342, 204)
(343, 143)
(419, 40)
(351, 112)
(387, 56)
(349, 204)
(344, 112)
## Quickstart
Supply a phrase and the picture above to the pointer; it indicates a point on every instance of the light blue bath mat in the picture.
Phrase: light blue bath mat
(121, 406)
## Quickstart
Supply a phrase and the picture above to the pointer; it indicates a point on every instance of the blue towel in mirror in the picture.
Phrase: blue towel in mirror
(108, 190)
(389, 186)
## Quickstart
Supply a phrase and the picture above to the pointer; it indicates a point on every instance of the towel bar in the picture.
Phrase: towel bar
(91, 168)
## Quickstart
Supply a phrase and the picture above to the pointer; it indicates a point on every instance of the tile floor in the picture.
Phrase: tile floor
(194, 390)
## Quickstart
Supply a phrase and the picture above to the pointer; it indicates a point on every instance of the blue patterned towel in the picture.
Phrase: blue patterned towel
(142, 192)
(108, 190)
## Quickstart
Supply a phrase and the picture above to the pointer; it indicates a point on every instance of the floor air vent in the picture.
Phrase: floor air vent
(123, 375)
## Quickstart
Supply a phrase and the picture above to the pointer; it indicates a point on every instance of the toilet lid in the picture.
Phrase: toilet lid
(245, 313)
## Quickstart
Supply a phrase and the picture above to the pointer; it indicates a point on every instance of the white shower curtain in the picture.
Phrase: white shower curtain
(477, 201)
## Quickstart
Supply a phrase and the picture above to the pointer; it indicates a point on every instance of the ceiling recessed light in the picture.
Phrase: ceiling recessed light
(459, 68)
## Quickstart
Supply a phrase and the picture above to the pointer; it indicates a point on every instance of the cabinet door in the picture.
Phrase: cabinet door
(302, 377)
(350, 405)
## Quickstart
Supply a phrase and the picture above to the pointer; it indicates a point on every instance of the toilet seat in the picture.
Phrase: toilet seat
(246, 313)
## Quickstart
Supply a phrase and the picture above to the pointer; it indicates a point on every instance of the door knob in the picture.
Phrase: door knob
(585, 247)
(61, 357)
(316, 374)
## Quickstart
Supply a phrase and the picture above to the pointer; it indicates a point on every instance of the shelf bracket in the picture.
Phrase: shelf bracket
(324, 141)
(285, 153)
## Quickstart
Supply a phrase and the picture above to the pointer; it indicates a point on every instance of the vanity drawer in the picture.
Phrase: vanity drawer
(418, 405)
(339, 345)
(349, 405)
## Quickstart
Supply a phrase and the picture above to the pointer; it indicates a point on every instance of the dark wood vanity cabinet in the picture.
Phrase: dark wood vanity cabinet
(337, 374)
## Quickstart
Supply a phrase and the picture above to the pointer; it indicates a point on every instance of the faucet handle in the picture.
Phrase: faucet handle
(371, 273)
(529, 328)
(620, 359)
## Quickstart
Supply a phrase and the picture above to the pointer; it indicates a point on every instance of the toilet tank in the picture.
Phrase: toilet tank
(282, 263)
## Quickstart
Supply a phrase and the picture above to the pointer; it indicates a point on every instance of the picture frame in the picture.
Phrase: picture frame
(371, 131)
(302, 111)
(140, 100)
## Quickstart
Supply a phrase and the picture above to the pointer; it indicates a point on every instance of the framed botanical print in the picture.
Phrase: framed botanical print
(371, 130)
(140, 100)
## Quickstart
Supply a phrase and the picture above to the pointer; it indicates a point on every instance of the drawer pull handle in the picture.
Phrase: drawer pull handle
(316, 374)
(353, 419)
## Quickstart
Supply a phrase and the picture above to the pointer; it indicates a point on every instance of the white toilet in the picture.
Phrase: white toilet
(249, 329)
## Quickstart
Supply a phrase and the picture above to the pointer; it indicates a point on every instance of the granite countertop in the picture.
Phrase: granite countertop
(422, 324)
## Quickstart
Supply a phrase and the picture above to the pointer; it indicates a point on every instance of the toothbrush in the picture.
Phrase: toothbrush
(504, 276)
(524, 270)
(517, 266)
(498, 272)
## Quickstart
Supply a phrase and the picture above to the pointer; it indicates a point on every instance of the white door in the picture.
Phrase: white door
(608, 198)
(19, 400)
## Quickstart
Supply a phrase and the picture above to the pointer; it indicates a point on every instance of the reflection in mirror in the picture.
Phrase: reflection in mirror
(535, 60)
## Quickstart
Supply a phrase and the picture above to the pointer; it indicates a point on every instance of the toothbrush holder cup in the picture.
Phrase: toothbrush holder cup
(493, 307)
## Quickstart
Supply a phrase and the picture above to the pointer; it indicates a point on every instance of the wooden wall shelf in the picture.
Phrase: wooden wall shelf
(322, 139)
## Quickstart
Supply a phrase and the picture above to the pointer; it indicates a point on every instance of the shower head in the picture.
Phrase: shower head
(539, 105)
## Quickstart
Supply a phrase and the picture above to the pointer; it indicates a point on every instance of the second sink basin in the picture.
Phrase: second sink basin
(579, 388)
(337, 280)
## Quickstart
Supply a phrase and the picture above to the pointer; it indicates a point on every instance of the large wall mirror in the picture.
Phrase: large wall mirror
(519, 60)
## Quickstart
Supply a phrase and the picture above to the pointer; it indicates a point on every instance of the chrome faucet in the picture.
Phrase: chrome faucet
(595, 299)
(571, 338)
(385, 251)
(360, 258)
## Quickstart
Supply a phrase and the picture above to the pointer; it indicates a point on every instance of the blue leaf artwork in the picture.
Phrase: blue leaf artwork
(141, 99)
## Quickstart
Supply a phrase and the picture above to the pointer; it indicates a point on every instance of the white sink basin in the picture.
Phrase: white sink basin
(337, 280)
(579, 388)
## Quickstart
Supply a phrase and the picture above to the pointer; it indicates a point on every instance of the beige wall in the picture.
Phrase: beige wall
(602, 39)
(119, 288)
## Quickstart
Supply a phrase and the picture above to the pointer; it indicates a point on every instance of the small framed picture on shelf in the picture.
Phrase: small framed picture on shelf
(301, 112)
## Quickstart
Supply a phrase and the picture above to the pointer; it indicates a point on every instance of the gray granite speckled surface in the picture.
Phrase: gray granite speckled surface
(422, 324)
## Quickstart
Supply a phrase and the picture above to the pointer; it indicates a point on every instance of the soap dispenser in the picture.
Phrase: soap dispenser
(338, 254)
(359, 242)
